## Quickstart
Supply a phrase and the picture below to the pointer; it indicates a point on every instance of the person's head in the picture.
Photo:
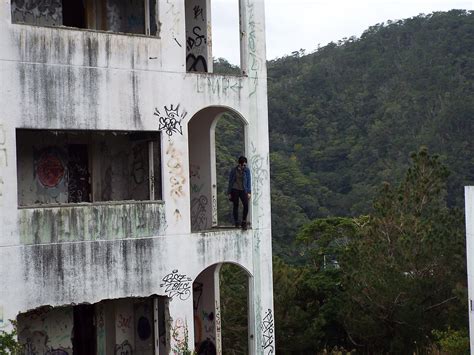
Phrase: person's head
(242, 161)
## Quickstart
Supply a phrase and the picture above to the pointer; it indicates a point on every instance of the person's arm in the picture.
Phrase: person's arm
(248, 188)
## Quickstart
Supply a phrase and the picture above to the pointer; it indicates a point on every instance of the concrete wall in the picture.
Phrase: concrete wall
(71, 79)
(46, 330)
(469, 204)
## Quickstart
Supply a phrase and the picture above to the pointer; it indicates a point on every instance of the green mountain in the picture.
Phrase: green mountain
(345, 118)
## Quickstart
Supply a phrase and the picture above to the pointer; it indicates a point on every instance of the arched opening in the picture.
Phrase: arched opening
(221, 310)
(208, 139)
(219, 38)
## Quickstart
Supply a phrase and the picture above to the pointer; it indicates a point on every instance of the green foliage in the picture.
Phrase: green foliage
(234, 309)
(381, 282)
(344, 118)
(453, 342)
(8, 342)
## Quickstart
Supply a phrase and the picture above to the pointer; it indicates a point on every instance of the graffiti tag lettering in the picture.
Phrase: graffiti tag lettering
(170, 122)
(267, 332)
(177, 285)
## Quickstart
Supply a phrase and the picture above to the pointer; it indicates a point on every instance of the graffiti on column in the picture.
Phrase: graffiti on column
(177, 285)
(124, 349)
(199, 212)
(179, 336)
(196, 39)
(170, 120)
(176, 171)
(259, 170)
(254, 61)
(267, 333)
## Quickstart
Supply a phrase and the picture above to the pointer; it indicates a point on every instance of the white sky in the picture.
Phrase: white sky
(295, 24)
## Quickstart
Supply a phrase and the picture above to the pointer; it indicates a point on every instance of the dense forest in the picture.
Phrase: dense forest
(371, 145)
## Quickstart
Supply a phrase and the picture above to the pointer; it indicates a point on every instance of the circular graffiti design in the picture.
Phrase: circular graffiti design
(50, 170)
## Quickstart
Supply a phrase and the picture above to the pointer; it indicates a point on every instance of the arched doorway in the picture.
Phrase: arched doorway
(221, 295)
(205, 176)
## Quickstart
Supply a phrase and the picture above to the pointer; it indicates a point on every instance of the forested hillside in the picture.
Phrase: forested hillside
(345, 118)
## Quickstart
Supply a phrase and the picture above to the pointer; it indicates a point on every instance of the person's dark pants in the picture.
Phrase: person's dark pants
(242, 195)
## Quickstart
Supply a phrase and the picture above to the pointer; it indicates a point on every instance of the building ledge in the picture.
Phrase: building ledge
(90, 221)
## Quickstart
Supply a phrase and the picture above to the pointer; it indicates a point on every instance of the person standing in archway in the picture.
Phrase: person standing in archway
(239, 189)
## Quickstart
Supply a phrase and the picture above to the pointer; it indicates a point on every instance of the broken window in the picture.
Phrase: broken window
(85, 166)
(119, 326)
(131, 16)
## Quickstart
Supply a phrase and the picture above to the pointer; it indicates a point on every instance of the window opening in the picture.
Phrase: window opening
(118, 326)
(87, 166)
(131, 16)
(226, 36)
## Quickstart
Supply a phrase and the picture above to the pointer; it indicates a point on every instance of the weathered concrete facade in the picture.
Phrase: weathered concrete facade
(99, 134)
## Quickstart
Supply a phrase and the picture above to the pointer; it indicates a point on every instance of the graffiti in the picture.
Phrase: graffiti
(144, 328)
(124, 349)
(196, 63)
(36, 343)
(24, 10)
(78, 173)
(219, 85)
(124, 323)
(177, 179)
(195, 188)
(196, 39)
(171, 121)
(209, 324)
(218, 326)
(267, 332)
(199, 212)
(177, 285)
(260, 174)
(214, 207)
(194, 171)
(179, 336)
(50, 169)
(198, 11)
(254, 64)
(177, 215)
(139, 156)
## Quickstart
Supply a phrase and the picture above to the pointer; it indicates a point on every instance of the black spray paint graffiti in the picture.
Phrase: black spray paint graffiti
(199, 212)
(124, 349)
(170, 122)
(267, 333)
(194, 63)
(38, 9)
(198, 12)
(260, 173)
(196, 39)
(219, 85)
(177, 285)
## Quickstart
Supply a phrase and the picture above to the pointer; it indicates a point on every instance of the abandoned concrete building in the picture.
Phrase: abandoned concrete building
(110, 241)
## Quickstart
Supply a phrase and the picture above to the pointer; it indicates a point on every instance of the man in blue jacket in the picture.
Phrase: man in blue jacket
(239, 188)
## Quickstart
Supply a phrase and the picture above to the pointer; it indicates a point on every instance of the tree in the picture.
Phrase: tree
(405, 272)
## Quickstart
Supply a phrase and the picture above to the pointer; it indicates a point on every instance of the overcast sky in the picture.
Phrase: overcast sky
(295, 24)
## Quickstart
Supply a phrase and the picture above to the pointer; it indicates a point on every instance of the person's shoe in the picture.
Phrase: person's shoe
(244, 225)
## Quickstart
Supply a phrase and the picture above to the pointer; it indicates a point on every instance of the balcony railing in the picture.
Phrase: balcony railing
(91, 221)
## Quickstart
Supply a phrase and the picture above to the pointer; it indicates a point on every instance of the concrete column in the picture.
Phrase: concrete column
(469, 200)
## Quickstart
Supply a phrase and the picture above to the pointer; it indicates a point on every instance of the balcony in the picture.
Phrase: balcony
(91, 221)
